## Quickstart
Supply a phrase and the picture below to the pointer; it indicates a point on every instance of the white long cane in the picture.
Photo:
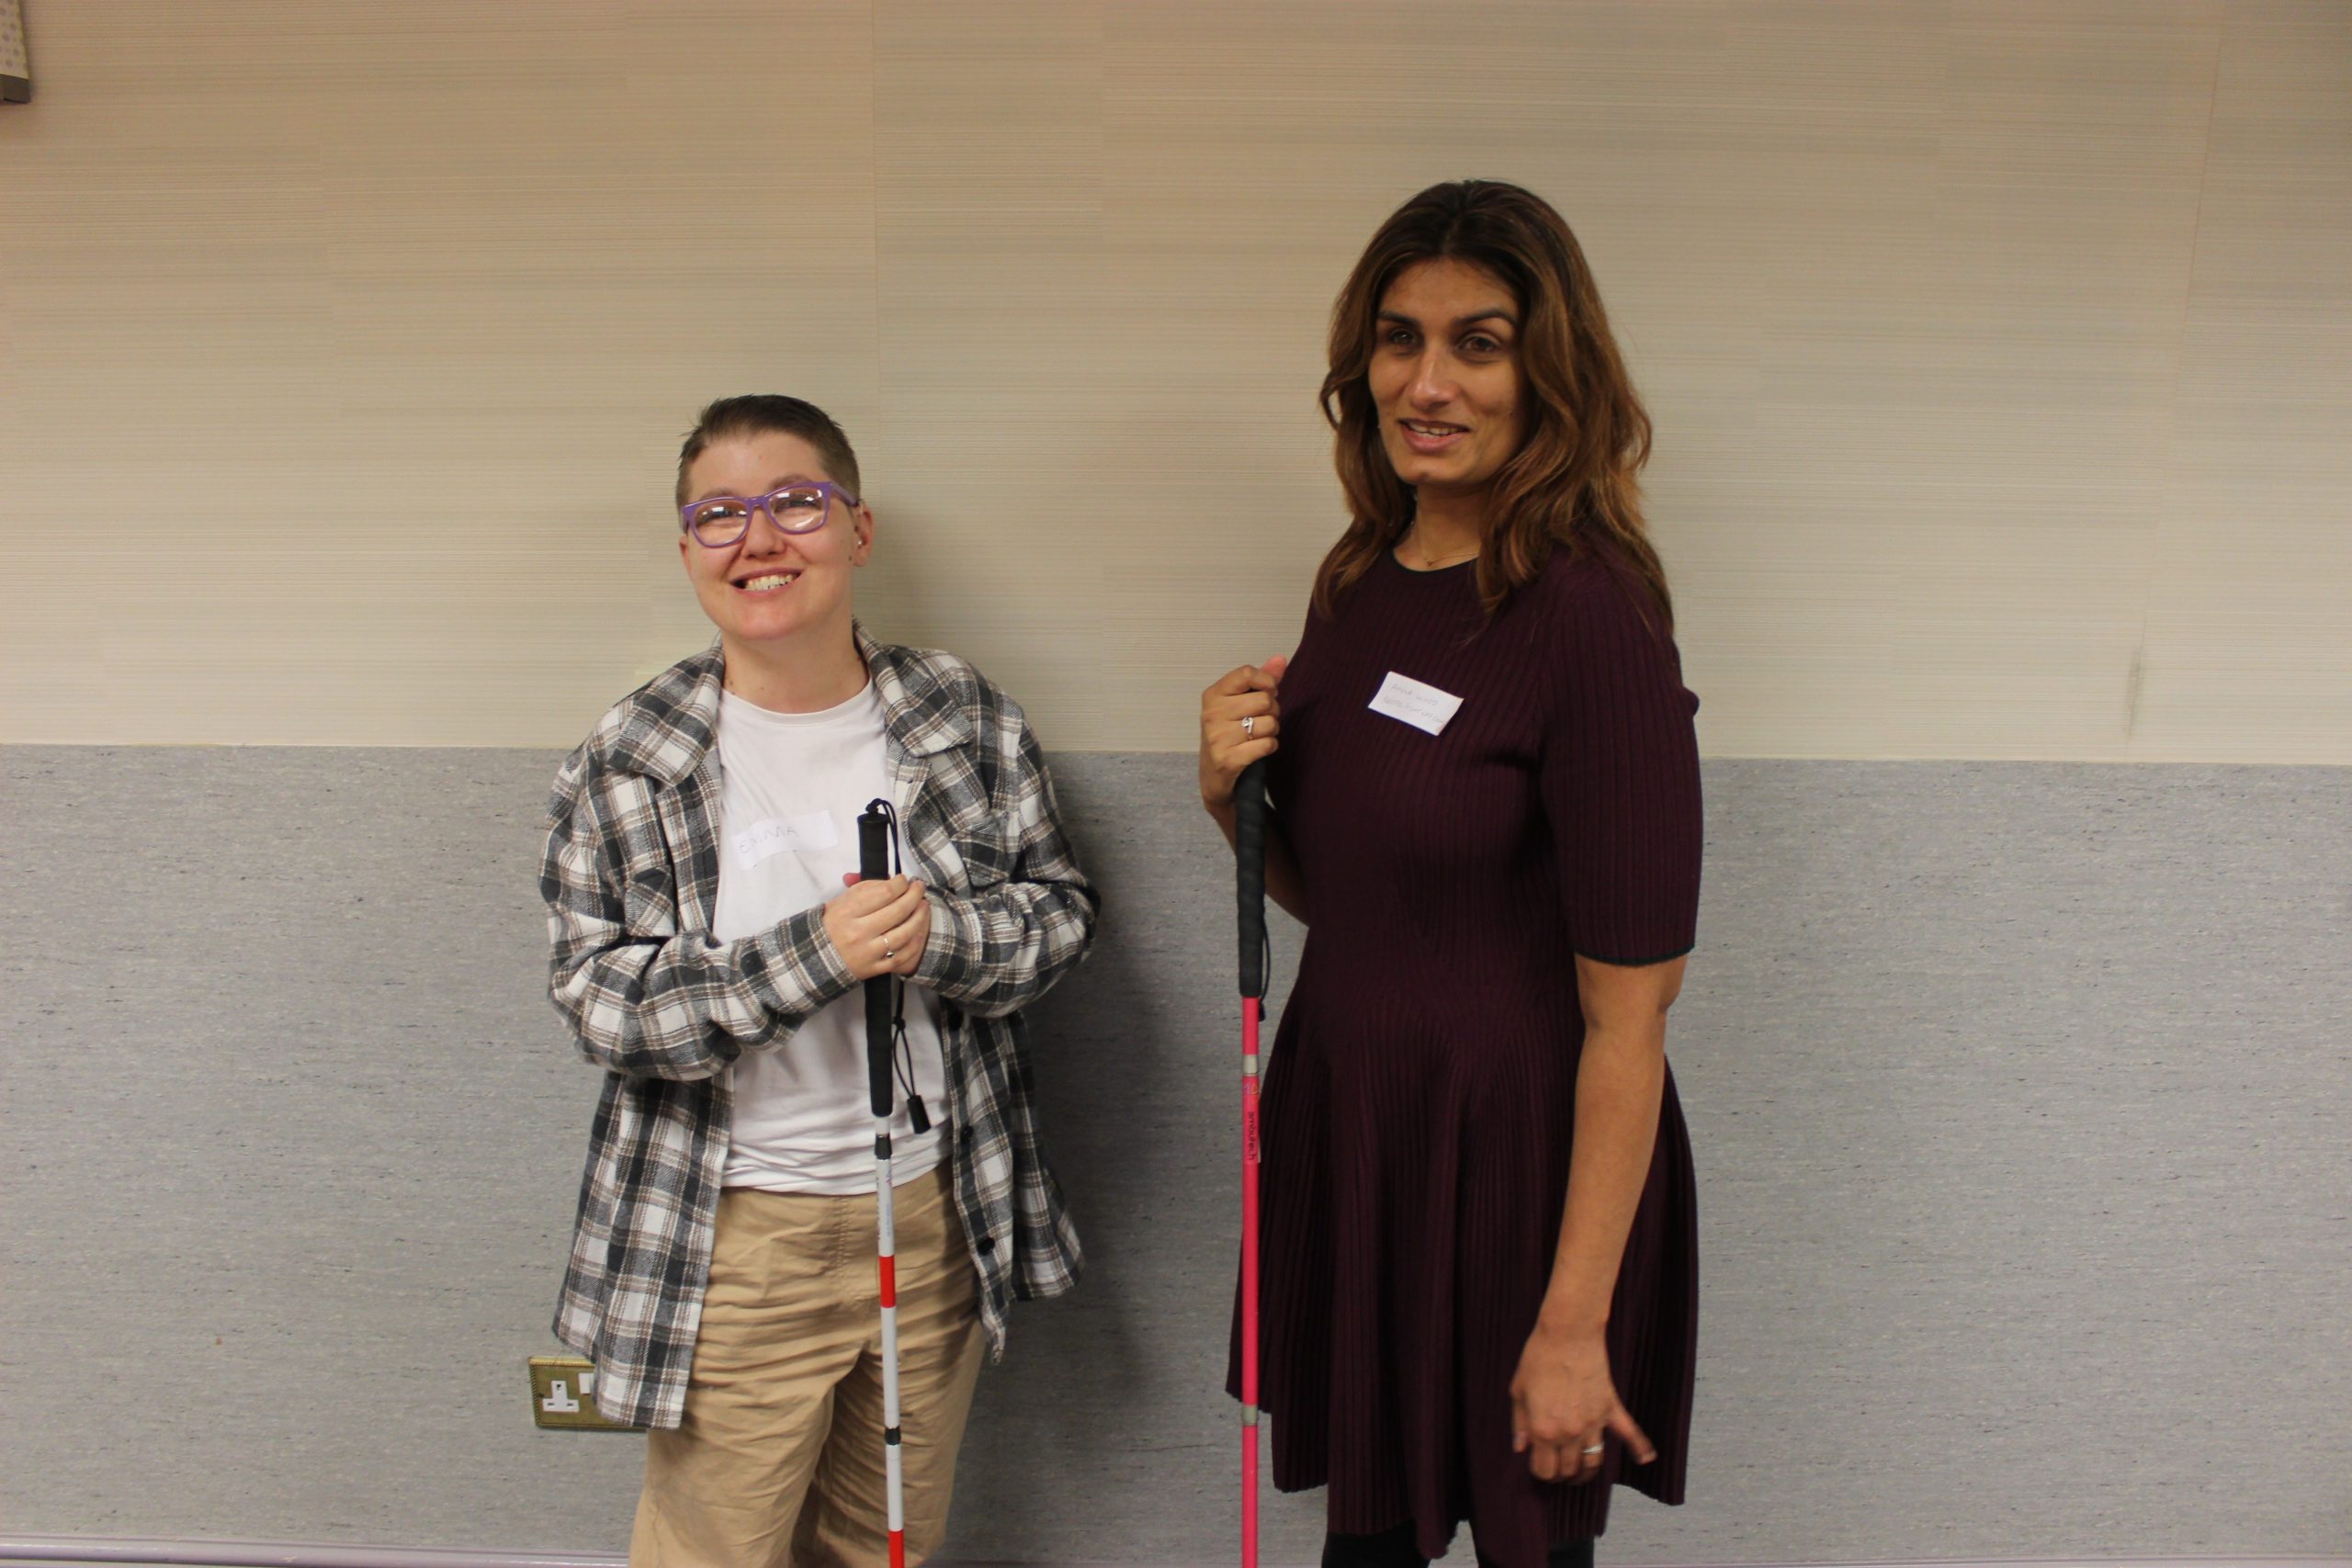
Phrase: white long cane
(881, 1011)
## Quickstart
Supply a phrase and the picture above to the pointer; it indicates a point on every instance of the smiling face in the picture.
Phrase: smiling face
(1444, 376)
(771, 588)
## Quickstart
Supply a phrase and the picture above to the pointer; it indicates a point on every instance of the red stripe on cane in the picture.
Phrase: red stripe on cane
(889, 1281)
(898, 1549)
(1250, 1497)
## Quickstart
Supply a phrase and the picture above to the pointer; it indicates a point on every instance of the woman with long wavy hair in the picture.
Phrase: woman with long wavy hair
(1480, 1294)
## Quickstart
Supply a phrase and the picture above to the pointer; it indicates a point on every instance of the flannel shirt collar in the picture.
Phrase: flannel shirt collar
(667, 728)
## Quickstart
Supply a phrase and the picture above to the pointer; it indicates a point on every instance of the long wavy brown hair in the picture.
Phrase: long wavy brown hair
(1574, 482)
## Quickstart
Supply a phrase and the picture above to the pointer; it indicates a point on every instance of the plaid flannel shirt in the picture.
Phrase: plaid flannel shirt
(630, 879)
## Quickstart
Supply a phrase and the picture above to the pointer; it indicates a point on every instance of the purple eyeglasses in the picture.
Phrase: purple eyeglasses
(718, 521)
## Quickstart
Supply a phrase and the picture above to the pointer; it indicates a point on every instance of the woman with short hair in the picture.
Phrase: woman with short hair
(711, 933)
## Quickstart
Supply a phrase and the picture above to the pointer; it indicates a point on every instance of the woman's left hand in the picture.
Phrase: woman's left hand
(1562, 1403)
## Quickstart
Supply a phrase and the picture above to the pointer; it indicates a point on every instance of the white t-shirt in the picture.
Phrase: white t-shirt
(792, 786)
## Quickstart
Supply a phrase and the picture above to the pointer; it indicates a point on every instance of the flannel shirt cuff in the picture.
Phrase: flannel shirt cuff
(798, 969)
(955, 942)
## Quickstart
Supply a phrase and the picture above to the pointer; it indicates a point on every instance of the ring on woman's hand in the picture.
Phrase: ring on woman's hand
(1249, 727)
(1597, 1448)
(889, 953)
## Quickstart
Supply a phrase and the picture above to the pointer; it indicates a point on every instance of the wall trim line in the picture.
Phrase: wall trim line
(150, 1551)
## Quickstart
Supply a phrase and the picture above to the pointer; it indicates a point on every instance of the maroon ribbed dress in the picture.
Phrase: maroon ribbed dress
(1421, 1096)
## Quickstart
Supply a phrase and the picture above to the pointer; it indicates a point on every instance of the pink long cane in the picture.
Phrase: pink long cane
(1250, 880)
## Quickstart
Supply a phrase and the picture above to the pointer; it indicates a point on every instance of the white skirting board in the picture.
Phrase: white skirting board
(87, 1551)
(140, 1551)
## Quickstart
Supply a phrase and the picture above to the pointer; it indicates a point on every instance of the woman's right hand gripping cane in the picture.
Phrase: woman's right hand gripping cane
(1240, 715)
(1241, 718)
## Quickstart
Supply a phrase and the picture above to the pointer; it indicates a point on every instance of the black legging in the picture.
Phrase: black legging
(1395, 1548)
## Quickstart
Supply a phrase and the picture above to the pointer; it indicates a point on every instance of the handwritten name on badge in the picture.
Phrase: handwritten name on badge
(774, 835)
(1416, 703)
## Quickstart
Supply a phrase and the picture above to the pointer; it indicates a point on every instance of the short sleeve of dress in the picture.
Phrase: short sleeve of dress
(1620, 775)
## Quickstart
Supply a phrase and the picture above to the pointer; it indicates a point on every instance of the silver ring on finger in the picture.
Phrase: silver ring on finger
(893, 952)
(1597, 1448)
(1249, 727)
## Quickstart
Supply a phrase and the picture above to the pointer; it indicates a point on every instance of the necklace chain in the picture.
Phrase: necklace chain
(1431, 562)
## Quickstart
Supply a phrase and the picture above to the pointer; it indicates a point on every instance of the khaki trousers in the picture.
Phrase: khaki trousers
(779, 1459)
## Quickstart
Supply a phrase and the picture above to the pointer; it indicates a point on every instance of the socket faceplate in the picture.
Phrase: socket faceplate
(564, 1391)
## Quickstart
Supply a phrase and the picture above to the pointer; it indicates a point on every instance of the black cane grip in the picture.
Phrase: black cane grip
(1249, 873)
(874, 865)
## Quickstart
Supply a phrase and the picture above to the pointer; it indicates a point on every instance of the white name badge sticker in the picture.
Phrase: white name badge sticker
(774, 835)
(1416, 703)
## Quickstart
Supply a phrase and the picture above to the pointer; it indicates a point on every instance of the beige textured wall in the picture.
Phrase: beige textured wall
(1998, 351)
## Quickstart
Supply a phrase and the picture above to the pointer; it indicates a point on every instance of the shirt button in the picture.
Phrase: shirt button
(985, 1244)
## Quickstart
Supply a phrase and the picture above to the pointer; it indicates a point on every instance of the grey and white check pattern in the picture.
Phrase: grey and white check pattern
(630, 879)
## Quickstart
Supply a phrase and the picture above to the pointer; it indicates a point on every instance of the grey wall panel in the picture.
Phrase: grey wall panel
(2018, 1093)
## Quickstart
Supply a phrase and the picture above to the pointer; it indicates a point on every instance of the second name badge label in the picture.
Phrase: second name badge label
(775, 835)
(1416, 703)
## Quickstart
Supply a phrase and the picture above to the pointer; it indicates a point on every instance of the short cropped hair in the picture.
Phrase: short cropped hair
(768, 413)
